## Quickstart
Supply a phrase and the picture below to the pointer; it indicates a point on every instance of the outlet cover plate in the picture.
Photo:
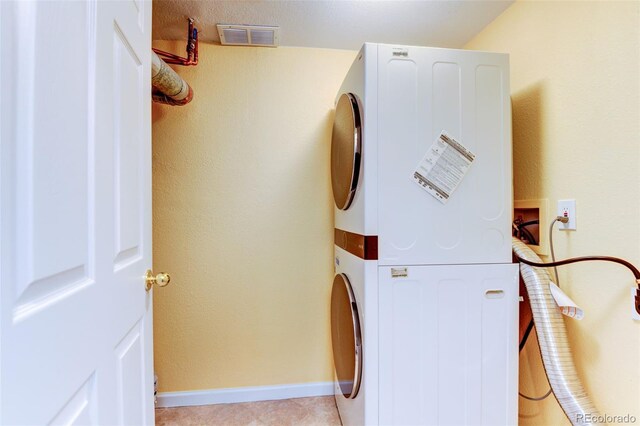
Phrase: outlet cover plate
(567, 208)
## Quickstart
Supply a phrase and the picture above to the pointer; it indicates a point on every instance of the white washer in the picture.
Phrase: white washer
(354, 338)
(428, 284)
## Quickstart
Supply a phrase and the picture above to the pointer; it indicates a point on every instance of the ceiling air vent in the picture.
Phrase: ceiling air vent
(248, 35)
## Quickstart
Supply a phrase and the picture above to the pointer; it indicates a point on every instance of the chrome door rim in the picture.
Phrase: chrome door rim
(355, 322)
(347, 111)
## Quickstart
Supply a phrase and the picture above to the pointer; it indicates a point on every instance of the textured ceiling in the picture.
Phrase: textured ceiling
(333, 24)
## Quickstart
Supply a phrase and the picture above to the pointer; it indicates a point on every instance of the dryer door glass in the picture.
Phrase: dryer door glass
(345, 337)
(346, 150)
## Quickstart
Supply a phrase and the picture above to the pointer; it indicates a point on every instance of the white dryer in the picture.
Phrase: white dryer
(403, 99)
(421, 177)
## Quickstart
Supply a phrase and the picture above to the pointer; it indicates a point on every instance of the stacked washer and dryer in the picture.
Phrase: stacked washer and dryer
(424, 304)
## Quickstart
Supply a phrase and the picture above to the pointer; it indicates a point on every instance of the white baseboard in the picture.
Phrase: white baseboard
(248, 394)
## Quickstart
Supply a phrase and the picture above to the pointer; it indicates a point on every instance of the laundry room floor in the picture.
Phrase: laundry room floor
(316, 411)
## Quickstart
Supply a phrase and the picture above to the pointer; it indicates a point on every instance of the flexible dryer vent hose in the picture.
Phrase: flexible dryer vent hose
(554, 345)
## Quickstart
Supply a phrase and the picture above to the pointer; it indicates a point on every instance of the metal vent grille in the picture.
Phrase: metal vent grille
(235, 36)
(262, 37)
(248, 35)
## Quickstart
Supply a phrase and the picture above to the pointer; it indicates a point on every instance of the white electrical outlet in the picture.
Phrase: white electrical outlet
(634, 314)
(567, 208)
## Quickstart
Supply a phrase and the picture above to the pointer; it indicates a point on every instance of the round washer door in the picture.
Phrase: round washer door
(346, 150)
(346, 337)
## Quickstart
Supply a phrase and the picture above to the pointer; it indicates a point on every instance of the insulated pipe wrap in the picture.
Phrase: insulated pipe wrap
(554, 345)
(174, 89)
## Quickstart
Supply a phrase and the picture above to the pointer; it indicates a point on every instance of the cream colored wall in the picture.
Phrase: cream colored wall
(575, 74)
(243, 219)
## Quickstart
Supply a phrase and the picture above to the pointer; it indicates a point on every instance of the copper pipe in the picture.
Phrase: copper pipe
(169, 87)
(192, 50)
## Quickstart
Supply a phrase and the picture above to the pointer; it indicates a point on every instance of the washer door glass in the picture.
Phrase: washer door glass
(346, 149)
(345, 337)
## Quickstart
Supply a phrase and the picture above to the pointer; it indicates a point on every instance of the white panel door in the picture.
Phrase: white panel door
(448, 345)
(75, 212)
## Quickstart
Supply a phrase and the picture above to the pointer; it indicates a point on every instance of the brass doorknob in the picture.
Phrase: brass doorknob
(161, 280)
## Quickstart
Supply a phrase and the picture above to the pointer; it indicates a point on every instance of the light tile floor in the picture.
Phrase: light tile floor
(316, 411)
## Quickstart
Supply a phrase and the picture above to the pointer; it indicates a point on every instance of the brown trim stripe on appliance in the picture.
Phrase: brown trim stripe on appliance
(363, 246)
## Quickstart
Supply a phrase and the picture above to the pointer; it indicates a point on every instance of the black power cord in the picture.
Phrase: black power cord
(628, 265)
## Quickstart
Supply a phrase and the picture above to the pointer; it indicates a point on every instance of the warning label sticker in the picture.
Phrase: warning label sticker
(443, 167)
(399, 273)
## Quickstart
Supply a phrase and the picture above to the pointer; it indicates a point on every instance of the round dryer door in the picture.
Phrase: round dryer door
(346, 150)
(345, 337)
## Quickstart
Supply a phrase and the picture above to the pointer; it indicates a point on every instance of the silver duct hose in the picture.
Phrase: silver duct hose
(554, 346)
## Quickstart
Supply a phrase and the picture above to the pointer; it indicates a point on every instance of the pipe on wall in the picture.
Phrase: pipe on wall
(554, 345)
(169, 87)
